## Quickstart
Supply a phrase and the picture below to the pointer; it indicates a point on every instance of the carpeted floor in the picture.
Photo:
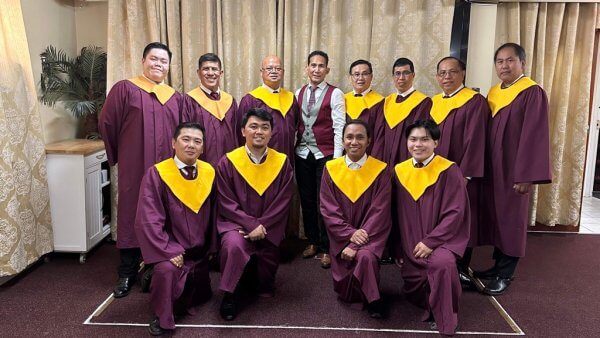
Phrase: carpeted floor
(554, 294)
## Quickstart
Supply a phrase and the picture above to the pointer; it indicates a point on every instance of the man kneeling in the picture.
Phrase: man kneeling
(255, 189)
(433, 215)
(175, 226)
(355, 204)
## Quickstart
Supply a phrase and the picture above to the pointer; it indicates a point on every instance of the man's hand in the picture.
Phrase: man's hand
(422, 251)
(177, 260)
(348, 254)
(257, 234)
(360, 237)
(522, 188)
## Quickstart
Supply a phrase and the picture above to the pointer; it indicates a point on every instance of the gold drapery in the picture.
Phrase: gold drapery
(25, 223)
(559, 40)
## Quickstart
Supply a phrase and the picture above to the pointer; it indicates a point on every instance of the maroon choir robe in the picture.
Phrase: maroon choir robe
(396, 114)
(432, 207)
(347, 207)
(137, 126)
(169, 222)
(517, 152)
(462, 119)
(250, 195)
(365, 108)
(219, 120)
(286, 117)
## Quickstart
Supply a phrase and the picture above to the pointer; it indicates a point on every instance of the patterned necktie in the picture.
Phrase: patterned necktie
(312, 99)
(215, 96)
(189, 172)
(419, 165)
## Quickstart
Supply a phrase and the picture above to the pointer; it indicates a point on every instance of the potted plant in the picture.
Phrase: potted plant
(78, 83)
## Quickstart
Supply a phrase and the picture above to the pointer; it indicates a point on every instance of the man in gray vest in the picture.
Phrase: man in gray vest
(324, 116)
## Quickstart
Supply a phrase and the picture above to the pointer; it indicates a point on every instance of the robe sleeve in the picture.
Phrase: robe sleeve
(111, 119)
(338, 228)
(155, 242)
(453, 225)
(471, 162)
(378, 131)
(532, 164)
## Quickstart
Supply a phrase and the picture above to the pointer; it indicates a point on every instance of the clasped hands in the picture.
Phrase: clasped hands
(255, 235)
(359, 237)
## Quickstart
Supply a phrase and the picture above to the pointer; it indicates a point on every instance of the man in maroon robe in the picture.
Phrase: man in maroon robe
(399, 110)
(255, 189)
(462, 114)
(432, 212)
(213, 108)
(277, 101)
(136, 123)
(175, 227)
(323, 118)
(517, 156)
(357, 218)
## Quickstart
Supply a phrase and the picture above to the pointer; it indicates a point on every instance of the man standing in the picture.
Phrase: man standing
(357, 218)
(432, 212)
(175, 226)
(323, 116)
(518, 156)
(136, 123)
(399, 111)
(277, 101)
(212, 108)
(255, 189)
(462, 116)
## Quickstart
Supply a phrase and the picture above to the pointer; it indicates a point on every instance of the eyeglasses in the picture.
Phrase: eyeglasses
(405, 73)
(273, 69)
(210, 69)
(358, 75)
(450, 73)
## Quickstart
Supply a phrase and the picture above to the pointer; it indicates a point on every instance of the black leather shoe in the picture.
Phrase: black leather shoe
(386, 260)
(486, 274)
(466, 282)
(228, 307)
(155, 328)
(496, 286)
(375, 309)
(146, 279)
(123, 287)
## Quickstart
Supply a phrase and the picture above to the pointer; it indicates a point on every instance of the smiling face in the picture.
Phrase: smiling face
(356, 141)
(317, 70)
(508, 65)
(272, 71)
(156, 64)
(210, 75)
(257, 133)
(449, 76)
(189, 145)
(360, 78)
(420, 144)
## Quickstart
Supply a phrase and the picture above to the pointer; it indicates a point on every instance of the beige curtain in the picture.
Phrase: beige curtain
(559, 41)
(25, 224)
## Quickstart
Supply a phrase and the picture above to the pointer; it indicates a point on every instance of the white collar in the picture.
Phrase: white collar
(180, 164)
(454, 92)
(208, 91)
(360, 163)
(271, 89)
(255, 159)
(367, 91)
(408, 92)
(162, 82)
(426, 162)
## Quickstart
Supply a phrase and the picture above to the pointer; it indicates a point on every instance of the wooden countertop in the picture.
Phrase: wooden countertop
(76, 147)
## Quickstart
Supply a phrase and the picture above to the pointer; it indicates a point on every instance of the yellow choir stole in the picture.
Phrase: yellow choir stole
(357, 104)
(353, 183)
(395, 113)
(163, 92)
(442, 107)
(192, 193)
(499, 98)
(218, 108)
(417, 180)
(258, 176)
(281, 101)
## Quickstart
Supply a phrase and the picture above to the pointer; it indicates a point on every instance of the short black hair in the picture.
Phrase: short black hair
(319, 53)
(403, 62)
(360, 122)
(156, 45)
(461, 64)
(209, 57)
(262, 115)
(360, 62)
(429, 125)
(189, 125)
(520, 51)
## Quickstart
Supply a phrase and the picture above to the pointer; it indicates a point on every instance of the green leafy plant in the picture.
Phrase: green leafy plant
(79, 83)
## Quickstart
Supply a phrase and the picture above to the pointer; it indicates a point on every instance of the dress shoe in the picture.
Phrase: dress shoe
(326, 261)
(386, 260)
(123, 287)
(466, 282)
(155, 328)
(310, 251)
(146, 279)
(496, 286)
(228, 307)
(486, 274)
(375, 309)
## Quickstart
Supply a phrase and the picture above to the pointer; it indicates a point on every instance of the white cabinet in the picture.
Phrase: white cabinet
(78, 180)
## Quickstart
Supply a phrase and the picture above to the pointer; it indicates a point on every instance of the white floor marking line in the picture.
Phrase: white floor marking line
(100, 308)
(506, 316)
